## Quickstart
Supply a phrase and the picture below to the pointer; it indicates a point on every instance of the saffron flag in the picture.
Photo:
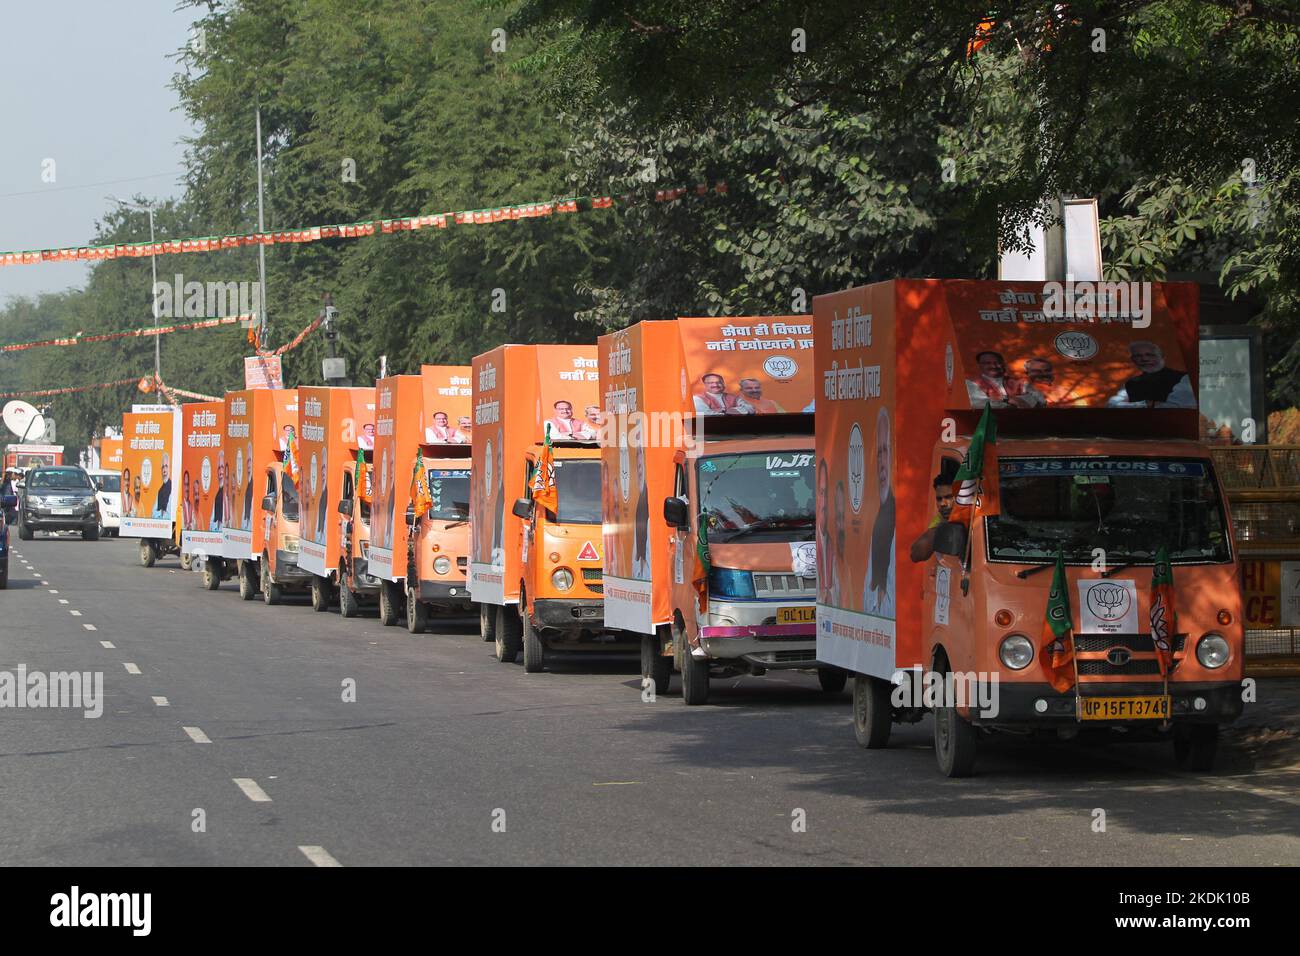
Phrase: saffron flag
(291, 458)
(420, 486)
(544, 491)
(360, 478)
(1164, 618)
(1057, 656)
(975, 485)
(703, 564)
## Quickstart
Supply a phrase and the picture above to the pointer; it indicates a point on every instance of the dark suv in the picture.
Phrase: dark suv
(58, 498)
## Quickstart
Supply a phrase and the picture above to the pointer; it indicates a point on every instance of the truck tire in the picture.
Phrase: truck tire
(25, 533)
(956, 743)
(832, 679)
(417, 613)
(534, 649)
(654, 666)
(212, 573)
(872, 714)
(187, 561)
(248, 584)
(509, 634)
(148, 553)
(695, 679)
(1196, 746)
(271, 592)
(389, 605)
(320, 593)
(91, 533)
(487, 623)
(349, 606)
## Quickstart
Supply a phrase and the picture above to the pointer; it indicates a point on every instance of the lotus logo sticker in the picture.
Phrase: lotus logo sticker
(1108, 607)
(624, 472)
(803, 558)
(205, 475)
(312, 472)
(1077, 346)
(781, 367)
(857, 468)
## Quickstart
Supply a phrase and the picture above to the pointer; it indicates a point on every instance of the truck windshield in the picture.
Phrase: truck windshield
(108, 483)
(449, 493)
(290, 503)
(1127, 506)
(759, 496)
(577, 485)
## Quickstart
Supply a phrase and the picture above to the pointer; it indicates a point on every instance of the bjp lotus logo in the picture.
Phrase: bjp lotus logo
(781, 367)
(1109, 602)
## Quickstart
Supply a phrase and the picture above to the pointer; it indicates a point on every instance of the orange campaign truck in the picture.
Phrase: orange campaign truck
(260, 423)
(332, 426)
(203, 427)
(1018, 529)
(437, 521)
(710, 557)
(536, 571)
(355, 578)
(151, 457)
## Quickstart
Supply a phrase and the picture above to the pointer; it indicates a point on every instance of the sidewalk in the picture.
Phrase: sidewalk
(1267, 735)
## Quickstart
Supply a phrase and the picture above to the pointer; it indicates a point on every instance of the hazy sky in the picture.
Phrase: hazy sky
(85, 84)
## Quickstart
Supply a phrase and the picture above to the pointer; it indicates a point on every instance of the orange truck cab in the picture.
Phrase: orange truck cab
(417, 416)
(710, 552)
(355, 582)
(279, 566)
(561, 586)
(260, 423)
(437, 553)
(536, 577)
(1024, 467)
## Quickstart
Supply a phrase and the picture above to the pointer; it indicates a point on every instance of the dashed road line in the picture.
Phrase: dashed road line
(75, 613)
(90, 627)
(319, 856)
(63, 600)
(131, 668)
(52, 590)
(252, 790)
(198, 736)
(107, 645)
(161, 701)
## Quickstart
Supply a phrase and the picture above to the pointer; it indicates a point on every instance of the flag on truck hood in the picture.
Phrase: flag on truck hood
(544, 491)
(1057, 654)
(703, 564)
(420, 486)
(1164, 618)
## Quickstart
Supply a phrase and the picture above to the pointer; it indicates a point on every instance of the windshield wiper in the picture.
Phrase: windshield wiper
(795, 523)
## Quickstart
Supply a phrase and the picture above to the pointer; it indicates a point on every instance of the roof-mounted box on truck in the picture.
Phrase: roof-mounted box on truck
(334, 423)
(259, 424)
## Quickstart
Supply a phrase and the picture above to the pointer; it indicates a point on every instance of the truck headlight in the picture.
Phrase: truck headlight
(1016, 652)
(442, 565)
(731, 583)
(562, 578)
(289, 543)
(1213, 651)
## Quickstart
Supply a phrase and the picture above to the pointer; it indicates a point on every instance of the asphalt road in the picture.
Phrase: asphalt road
(447, 757)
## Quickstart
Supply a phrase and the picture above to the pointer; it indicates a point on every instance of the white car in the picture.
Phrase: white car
(108, 492)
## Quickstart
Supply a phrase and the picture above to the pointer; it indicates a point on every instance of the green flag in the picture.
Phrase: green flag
(966, 481)
(1058, 643)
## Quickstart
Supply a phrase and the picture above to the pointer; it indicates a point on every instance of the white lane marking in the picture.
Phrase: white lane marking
(90, 627)
(252, 790)
(162, 701)
(131, 668)
(52, 590)
(107, 645)
(75, 613)
(319, 856)
(63, 600)
(196, 735)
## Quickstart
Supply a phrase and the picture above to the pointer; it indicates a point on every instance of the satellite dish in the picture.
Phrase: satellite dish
(22, 418)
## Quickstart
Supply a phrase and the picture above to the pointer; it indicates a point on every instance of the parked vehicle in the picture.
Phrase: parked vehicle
(58, 498)
(1063, 529)
(437, 554)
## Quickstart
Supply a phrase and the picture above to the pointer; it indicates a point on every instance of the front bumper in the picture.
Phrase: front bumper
(573, 614)
(43, 519)
(445, 592)
(1019, 705)
(774, 646)
(287, 570)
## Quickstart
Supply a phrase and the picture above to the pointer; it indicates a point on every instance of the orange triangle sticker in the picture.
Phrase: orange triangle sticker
(588, 553)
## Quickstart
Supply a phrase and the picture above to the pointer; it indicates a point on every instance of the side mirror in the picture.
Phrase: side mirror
(345, 507)
(410, 516)
(950, 538)
(523, 508)
(268, 503)
(676, 512)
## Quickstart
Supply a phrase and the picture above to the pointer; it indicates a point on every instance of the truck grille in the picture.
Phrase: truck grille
(1139, 643)
(594, 578)
(462, 563)
(777, 585)
(1095, 668)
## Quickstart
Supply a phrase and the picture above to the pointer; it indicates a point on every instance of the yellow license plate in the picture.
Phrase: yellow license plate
(1124, 708)
(796, 615)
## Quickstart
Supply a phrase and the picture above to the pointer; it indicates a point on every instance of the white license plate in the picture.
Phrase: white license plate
(62, 511)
